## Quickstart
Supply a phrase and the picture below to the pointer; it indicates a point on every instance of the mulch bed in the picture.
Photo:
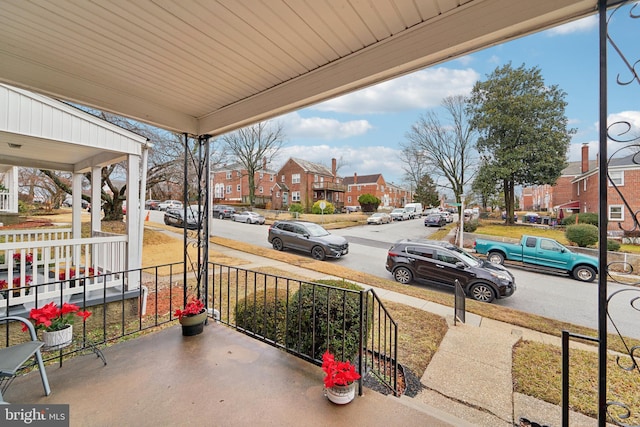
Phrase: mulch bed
(32, 223)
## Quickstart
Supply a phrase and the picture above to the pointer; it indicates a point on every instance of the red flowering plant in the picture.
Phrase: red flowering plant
(193, 307)
(27, 257)
(337, 372)
(53, 318)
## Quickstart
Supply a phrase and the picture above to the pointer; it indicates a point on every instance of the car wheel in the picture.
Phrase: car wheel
(403, 275)
(584, 273)
(318, 253)
(277, 244)
(221, 216)
(495, 258)
(166, 222)
(482, 292)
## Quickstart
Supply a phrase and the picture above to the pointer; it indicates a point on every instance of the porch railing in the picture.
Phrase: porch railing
(51, 258)
(306, 319)
(5, 202)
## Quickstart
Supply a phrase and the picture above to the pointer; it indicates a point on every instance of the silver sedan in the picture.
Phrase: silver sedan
(248, 217)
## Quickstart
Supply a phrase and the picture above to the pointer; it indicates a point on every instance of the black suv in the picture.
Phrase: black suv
(439, 262)
(308, 237)
(223, 211)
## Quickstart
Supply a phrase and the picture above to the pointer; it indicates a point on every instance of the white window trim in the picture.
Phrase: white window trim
(614, 176)
(295, 178)
(295, 196)
(621, 218)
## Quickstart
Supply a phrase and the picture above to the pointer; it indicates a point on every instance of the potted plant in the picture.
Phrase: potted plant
(192, 318)
(4, 287)
(339, 381)
(56, 323)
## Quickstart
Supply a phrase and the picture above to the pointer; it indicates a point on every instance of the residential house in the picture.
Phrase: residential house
(396, 196)
(365, 184)
(230, 184)
(304, 182)
(577, 189)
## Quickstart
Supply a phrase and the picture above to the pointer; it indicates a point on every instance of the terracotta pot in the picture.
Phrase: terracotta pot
(57, 339)
(341, 394)
(193, 325)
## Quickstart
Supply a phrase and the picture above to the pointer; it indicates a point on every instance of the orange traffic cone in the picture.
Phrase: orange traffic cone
(147, 218)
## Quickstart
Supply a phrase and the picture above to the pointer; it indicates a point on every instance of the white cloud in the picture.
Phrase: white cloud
(296, 126)
(579, 26)
(363, 161)
(624, 126)
(421, 90)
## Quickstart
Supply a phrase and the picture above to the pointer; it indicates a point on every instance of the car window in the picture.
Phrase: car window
(447, 257)
(288, 227)
(531, 242)
(299, 230)
(420, 251)
(465, 256)
(550, 245)
(316, 231)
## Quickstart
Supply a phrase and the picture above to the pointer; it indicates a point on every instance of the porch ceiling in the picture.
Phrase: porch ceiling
(208, 67)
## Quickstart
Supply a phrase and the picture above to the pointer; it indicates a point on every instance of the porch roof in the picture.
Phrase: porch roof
(37, 131)
(569, 205)
(212, 67)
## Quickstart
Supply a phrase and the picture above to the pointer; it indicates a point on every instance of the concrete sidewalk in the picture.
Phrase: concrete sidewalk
(470, 375)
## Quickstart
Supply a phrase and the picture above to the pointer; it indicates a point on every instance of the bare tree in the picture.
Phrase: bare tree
(415, 164)
(449, 147)
(254, 146)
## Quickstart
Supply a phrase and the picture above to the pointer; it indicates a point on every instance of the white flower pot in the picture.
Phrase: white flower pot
(54, 340)
(341, 394)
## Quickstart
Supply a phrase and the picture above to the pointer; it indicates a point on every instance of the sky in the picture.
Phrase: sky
(364, 128)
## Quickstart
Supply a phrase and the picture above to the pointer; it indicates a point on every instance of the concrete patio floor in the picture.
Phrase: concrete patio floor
(218, 378)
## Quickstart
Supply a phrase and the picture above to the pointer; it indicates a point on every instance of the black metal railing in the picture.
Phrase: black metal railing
(117, 311)
(306, 319)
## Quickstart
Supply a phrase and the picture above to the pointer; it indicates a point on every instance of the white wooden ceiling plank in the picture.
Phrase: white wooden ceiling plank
(371, 15)
(427, 9)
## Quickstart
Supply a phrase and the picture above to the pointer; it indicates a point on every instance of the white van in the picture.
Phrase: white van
(414, 209)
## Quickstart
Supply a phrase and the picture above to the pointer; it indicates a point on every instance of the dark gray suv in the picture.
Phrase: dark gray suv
(433, 261)
(307, 237)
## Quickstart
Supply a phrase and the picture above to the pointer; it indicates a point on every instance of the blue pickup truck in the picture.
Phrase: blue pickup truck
(543, 252)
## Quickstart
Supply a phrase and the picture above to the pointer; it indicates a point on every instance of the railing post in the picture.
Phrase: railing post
(360, 343)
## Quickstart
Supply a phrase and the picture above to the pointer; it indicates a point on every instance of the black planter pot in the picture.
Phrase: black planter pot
(193, 325)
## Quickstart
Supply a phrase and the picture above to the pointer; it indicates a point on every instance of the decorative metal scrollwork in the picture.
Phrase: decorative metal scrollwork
(627, 135)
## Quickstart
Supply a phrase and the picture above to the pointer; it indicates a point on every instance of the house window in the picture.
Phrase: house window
(584, 185)
(277, 194)
(228, 175)
(295, 179)
(349, 199)
(282, 178)
(616, 213)
(617, 178)
(349, 188)
(271, 178)
(315, 178)
(238, 188)
(359, 187)
(228, 189)
(238, 174)
(261, 175)
(260, 190)
(295, 196)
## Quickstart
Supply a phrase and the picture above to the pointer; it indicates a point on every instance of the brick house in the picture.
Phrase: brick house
(577, 190)
(230, 184)
(304, 182)
(364, 184)
(396, 196)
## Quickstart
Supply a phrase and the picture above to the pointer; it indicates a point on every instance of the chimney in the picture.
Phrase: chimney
(585, 158)
(264, 163)
(355, 178)
(333, 167)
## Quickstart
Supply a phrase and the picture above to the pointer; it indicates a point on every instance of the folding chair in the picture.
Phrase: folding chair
(13, 357)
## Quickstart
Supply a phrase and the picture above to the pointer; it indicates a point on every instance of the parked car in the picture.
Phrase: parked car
(350, 209)
(307, 237)
(248, 217)
(151, 205)
(175, 217)
(447, 216)
(434, 219)
(379, 218)
(543, 252)
(223, 211)
(414, 209)
(399, 214)
(169, 204)
(442, 263)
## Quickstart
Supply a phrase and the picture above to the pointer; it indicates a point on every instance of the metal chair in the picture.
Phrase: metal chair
(13, 357)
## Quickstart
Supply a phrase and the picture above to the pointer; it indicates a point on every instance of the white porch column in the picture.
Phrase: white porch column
(96, 201)
(134, 260)
(12, 186)
(76, 205)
